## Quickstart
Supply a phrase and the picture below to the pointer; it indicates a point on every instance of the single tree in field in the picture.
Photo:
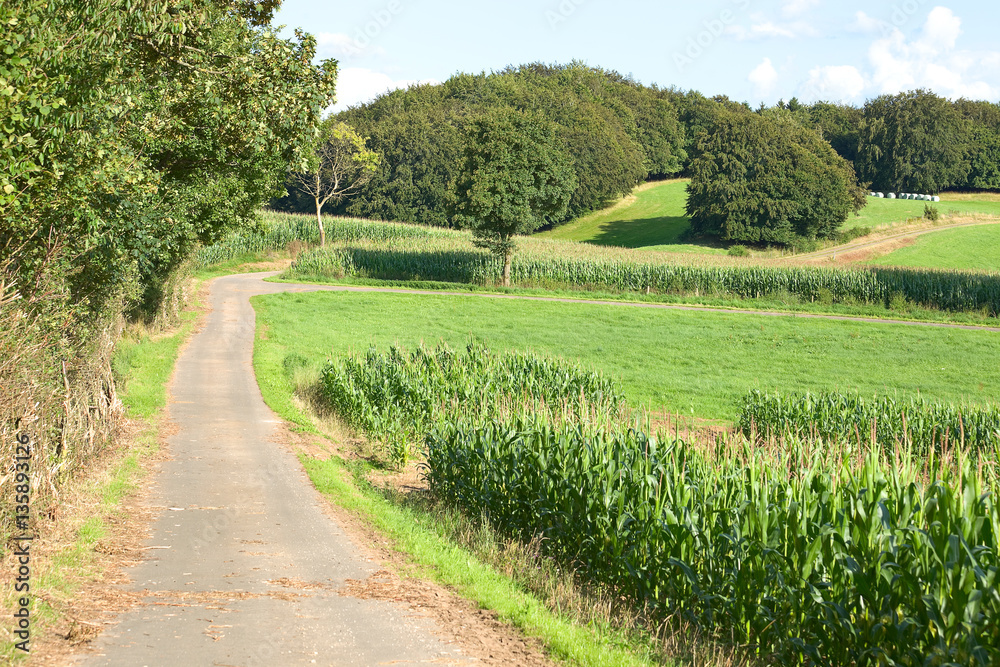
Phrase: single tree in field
(339, 164)
(514, 176)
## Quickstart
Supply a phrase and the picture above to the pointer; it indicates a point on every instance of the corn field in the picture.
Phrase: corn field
(450, 257)
(886, 421)
(277, 231)
(803, 552)
(804, 556)
(395, 397)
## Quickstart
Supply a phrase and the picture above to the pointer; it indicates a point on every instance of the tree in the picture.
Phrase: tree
(131, 135)
(339, 165)
(513, 177)
(912, 142)
(984, 143)
(765, 178)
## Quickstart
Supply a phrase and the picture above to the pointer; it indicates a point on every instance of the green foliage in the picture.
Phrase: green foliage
(984, 140)
(131, 136)
(394, 398)
(931, 213)
(514, 178)
(916, 423)
(765, 178)
(738, 251)
(615, 132)
(837, 123)
(338, 165)
(912, 142)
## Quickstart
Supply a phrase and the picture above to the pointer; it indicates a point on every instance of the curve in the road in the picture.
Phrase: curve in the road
(245, 567)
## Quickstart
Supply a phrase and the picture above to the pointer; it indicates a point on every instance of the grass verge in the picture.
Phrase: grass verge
(419, 535)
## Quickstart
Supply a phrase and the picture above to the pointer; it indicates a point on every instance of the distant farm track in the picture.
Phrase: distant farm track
(862, 244)
(309, 287)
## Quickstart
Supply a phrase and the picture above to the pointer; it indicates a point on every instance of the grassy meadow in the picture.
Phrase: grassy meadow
(970, 248)
(690, 362)
(653, 218)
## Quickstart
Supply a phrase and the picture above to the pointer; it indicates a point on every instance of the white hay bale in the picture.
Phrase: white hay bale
(936, 198)
(892, 195)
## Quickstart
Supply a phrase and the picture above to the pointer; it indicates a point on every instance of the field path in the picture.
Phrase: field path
(244, 567)
(299, 287)
(863, 244)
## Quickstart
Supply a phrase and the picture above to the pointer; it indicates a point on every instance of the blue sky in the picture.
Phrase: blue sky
(752, 50)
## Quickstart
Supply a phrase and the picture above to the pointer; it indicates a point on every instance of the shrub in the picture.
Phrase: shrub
(931, 213)
(739, 251)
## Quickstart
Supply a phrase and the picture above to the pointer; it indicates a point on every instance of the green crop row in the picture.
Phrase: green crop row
(805, 557)
(395, 397)
(276, 231)
(886, 421)
(451, 258)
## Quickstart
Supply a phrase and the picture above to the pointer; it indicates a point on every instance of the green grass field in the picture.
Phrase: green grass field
(653, 218)
(684, 361)
(963, 248)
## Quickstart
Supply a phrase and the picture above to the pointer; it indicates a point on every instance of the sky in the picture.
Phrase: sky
(755, 51)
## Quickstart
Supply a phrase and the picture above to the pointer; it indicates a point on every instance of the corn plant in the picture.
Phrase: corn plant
(886, 420)
(395, 397)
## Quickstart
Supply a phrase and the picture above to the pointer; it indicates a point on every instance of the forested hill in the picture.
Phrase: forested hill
(615, 132)
(618, 133)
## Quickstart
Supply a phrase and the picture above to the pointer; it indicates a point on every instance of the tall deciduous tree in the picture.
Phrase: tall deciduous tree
(912, 142)
(339, 165)
(513, 178)
(765, 178)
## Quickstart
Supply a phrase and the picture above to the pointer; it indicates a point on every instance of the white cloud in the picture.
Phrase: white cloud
(797, 7)
(341, 45)
(357, 85)
(764, 77)
(865, 23)
(932, 61)
(941, 31)
(838, 83)
(762, 28)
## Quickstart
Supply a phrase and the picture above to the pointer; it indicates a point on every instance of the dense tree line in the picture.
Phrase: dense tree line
(615, 132)
(134, 130)
(618, 133)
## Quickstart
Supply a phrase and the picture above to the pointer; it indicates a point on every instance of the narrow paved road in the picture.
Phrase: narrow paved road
(244, 567)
